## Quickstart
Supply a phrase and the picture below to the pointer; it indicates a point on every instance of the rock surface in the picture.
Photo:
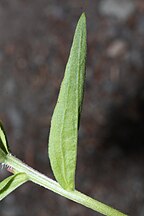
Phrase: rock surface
(120, 9)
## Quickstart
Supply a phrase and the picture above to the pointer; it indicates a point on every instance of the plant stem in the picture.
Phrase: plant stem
(52, 185)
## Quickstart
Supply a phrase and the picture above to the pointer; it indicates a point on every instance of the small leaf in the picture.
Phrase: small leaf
(2, 156)
(11, 183)
(65, 120)
(3, 140)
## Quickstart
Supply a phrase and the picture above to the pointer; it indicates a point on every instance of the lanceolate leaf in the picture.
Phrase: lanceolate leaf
(65, 120)
(3, 140)
(11, 183)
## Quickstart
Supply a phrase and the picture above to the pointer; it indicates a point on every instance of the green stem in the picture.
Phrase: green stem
(52, 185)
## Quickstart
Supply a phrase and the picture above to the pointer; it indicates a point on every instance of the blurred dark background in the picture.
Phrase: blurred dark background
(35, 39)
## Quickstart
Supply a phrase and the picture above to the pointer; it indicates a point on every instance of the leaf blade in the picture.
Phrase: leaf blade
(65, 120)
(2, 156)
(11, 183)
(3, 140)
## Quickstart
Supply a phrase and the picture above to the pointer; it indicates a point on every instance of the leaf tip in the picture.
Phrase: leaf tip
(82, 18)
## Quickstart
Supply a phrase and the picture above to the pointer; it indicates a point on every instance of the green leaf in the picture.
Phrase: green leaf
(3, 140)
(2, 156)
(11, 183)
(65, 120)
